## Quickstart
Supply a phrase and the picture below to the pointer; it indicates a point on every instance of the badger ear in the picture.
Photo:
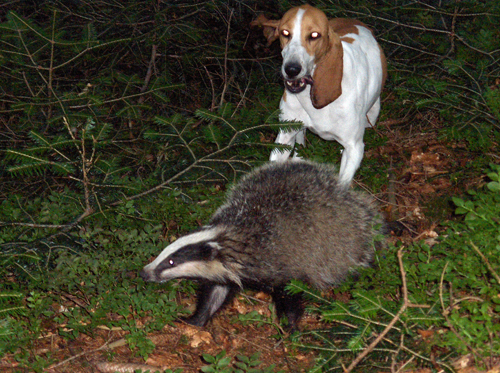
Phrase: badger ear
(327, 76)
(269, 27)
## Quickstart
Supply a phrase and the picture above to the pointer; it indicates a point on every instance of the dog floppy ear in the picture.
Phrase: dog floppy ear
(327, 76)
(269, 27)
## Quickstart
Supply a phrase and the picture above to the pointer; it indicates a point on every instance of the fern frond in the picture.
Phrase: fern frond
(213, 134)
(273, 118)
(296, 286)
(429, 102)
(168, 122)
(10, 331)
(211, 117)
(21, 24)
(23, 156)
(32, 164)
(39, 139)
(57, 143)
(12, 310)
(280, 147)
(287, 126)
(89, 33)
(103, 133)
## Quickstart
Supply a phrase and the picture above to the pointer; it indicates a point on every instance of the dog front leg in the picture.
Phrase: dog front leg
(299, 139)
(351, 159)
(284, 138)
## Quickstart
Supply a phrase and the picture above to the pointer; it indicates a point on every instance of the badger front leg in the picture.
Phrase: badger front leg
(210, 298)
(289, 305)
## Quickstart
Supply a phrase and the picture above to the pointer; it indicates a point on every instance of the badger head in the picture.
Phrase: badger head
(194, 256)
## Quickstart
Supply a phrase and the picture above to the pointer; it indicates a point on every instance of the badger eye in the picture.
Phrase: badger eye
(285, 33)
(171, 262)
(315, 35)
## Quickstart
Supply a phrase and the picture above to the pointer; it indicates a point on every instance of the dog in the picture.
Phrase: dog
(334, 71)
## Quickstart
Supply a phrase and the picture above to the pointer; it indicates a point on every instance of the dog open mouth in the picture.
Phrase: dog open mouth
(298, 85)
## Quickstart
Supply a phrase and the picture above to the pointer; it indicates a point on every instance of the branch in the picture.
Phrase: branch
(485, 260)
(225, 58)
(389, 326)
(197, 163)
(450, 324)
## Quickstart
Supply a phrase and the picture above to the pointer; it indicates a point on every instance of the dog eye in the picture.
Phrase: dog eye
(285, 33)
(315, 35)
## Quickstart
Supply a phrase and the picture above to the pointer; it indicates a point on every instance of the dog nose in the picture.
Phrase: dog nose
(292, 69)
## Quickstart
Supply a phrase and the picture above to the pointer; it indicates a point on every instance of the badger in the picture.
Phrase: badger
(282, 221)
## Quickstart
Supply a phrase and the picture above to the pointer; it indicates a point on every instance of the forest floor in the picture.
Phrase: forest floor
(415, 196)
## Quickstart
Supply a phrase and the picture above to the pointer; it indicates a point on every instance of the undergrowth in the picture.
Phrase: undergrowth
(123, 124)
(452, 289)
(241, 364)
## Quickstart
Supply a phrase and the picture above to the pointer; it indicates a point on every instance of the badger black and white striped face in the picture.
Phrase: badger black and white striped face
(193, 256)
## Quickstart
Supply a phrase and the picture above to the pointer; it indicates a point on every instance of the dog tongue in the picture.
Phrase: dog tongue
(308, 80)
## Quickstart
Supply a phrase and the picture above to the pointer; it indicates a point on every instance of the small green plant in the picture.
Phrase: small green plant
(139, 342)
(474, 316)
(218, 363)
(241, 364)
(259, 319)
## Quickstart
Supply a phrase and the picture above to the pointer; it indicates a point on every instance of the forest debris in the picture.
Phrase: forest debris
(425, 334)
(107, 367)
(201, 338)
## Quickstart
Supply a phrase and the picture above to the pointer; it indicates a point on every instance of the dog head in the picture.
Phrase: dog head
(312, 52)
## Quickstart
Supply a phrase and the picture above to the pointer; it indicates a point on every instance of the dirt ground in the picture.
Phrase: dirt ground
(427, 175)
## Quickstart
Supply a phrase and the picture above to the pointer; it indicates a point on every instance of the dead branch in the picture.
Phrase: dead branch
(485, 260)
(445, 314)
(224, 89)
(396, 318)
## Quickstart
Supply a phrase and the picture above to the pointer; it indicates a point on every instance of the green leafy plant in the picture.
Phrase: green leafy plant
(474, 318)
(218, 363)
(242, 364)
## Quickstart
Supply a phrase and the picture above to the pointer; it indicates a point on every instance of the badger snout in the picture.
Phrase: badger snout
(147, 275)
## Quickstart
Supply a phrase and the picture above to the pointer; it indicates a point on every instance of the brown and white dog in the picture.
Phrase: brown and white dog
(334, 71)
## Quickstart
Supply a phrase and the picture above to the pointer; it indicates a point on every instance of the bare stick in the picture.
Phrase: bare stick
(485, 260)
(450, 324)
(120, 342)
(225, 59)
(147, 79)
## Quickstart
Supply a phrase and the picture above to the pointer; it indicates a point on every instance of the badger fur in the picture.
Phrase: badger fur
(283, 221)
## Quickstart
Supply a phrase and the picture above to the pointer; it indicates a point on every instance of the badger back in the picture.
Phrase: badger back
(294, 220)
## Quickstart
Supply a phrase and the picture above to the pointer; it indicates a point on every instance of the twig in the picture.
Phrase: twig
(485, 261)
(118, 343)
(450, 324)
(196, 164)
(212, 86)
(147, 78)
(50, 226)
(225, 59)
(109, 367)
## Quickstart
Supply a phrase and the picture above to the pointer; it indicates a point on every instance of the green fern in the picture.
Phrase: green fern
(33, 165)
